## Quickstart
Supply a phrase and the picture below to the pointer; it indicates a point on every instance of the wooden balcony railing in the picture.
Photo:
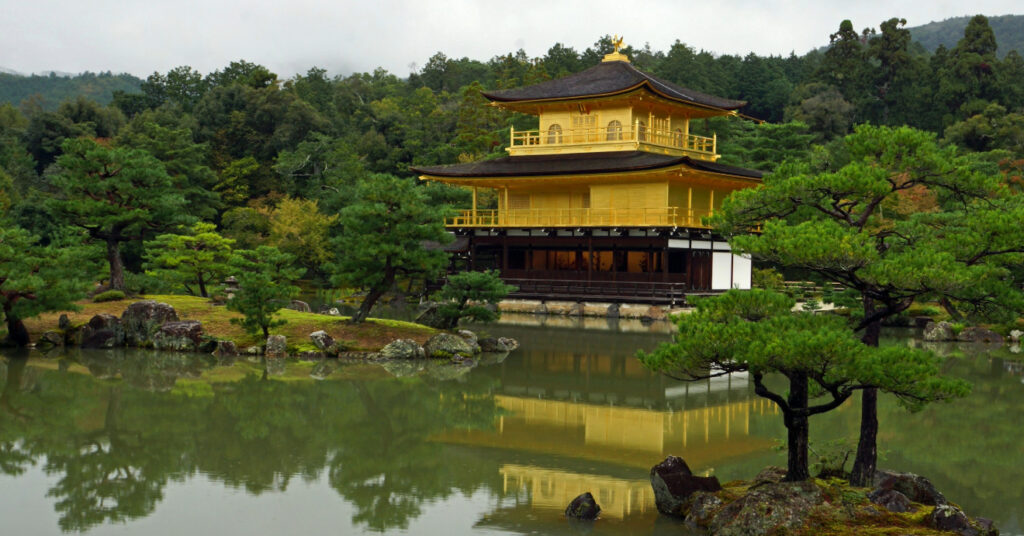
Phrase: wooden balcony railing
(582, 217)
(615, 138)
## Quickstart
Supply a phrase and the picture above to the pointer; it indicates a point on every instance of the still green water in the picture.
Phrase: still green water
(130, 442)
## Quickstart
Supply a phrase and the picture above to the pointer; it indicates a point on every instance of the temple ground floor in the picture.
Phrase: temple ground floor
(644, 265)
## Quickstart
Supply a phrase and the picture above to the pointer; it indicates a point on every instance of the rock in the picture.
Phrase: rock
(207, 345)
(321, 340)
(63, 322)
(976, 334)
(541, 309)
(254, 350)
(673, 483)
(311, 356)
(181, 336)
(614, 311)
(142, 320)
(770, 475)
(509, 343)
(950, 518)
(575, 310)
(654, 313)
(916, 488)
(938, 331)
(703, 507)
(890, 499)
(493, 345)
(322, 369)
(226, 348)
(333, 311)
(431, 316)
(300, 306)
(403, 349)
(103, 331)
(1015, 335)
(447, 345)
(51, 339)
(769, 509)
(277, 346)
(583, 507)
(470, 338)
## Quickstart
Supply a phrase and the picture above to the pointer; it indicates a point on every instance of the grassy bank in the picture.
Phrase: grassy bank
(369, 336)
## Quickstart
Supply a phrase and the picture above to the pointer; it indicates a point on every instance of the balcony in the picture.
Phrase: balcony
(630, 138)
(582, 217)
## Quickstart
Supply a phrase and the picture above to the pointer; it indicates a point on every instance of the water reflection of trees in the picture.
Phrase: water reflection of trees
(115, 444)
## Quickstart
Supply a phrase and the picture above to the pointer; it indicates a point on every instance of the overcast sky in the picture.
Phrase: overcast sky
(290, 36)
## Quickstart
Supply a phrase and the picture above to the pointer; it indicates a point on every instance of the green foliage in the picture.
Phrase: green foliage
(757, 331)
(471, 295)
(768, 279)
(108, 296)
(36, 279)
(196, 259)
(116, 195)
(297, 227)
(265, 277)
(52, 89)
(383, 235)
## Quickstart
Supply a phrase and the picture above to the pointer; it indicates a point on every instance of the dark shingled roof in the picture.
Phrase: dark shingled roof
(606, 78)
(579, 163)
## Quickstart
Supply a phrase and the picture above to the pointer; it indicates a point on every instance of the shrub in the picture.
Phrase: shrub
(110, 295)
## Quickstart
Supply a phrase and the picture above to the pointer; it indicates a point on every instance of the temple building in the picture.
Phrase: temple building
(605, 200)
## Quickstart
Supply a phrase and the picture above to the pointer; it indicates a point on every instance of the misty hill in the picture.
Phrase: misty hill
(54, 88)
(1009, 30)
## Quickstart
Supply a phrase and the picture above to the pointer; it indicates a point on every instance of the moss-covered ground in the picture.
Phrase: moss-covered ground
(368, 336)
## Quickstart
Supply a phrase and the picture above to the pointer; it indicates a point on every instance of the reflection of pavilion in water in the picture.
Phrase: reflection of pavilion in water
(553, 490)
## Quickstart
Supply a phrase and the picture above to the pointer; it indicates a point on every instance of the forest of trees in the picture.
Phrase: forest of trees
(276, 163)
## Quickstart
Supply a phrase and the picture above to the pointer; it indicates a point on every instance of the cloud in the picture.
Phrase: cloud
(290, 37)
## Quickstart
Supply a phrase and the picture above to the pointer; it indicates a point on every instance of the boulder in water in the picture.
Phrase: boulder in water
(583, 507)
(673, 483)
(143, 319)
(103, 331)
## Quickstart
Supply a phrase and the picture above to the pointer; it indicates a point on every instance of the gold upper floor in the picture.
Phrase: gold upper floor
(633, 122)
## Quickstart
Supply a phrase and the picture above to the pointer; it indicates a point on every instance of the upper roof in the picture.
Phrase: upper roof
(609, 78)
(579, 163)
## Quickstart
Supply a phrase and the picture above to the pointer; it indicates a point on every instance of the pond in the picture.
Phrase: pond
(134, 442)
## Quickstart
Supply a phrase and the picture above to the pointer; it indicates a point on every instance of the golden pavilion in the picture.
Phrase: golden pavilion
(606, 199)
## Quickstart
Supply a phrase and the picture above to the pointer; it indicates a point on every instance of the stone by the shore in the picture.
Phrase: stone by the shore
(583, 507)
(51, 339)
(431, 316)
(703, 506)
(403, 349)
(978, 334)
(470, 338)
(916, 488)
(63, 322)
(300, 306)
(673, 483)
(142, 320)
(769, 509)
(277, 346)
(1015, 335)
(321, 340)
(103, 331)
(890, 499)
(498, 345)
(447, 345)
(180, 336)
(938, 331)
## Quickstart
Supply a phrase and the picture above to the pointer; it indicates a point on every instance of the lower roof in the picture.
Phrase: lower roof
(579, 163)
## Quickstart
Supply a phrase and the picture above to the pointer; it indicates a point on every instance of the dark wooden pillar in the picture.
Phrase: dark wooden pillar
(504, 254)
(664, 262)
(590, 257)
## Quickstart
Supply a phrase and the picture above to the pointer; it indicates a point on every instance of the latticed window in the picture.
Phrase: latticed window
(554, 134)
(641, 131)
(584, 128)
(614, 130)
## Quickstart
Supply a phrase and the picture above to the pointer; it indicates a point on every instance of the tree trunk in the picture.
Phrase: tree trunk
(202, 287)
(867, 449)
(798, 429)
(17, 333)
(116, 265)
(368, 302)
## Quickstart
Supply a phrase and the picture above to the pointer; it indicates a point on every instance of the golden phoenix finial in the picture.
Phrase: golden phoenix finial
(617, 43)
